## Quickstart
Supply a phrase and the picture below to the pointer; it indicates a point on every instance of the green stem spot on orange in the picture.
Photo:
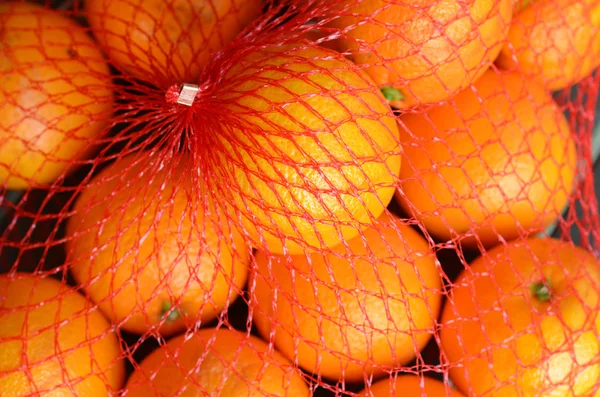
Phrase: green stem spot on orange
(392, 94)
(542, 290)
(521, 4)
(170, 315)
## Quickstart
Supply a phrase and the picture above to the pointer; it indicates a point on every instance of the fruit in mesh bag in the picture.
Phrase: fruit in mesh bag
(216, 362)
(313, 153)
(150, 251)
(347, 313)
(410, 386)
(169, 39)
(523, 320)
(55, 91)
(424, 51)
(496, 163)
(555, 41)
(53, 342)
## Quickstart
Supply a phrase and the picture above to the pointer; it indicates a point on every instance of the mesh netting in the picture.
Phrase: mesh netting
(294, 198)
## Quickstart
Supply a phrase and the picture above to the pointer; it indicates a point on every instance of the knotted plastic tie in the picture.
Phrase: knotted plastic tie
(184, 96)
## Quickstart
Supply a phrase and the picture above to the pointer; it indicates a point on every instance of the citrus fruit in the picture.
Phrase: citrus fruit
(554, 41)
(424, 51)
(311, 152)
(410, 386)
(169, 39)
(150, 251)
(53, 342)
(216, 362)
(56, 94)
(523, 321)
(496, 163)
(347, 313)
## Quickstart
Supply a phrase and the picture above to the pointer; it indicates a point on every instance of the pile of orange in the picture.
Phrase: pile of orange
(280, 188)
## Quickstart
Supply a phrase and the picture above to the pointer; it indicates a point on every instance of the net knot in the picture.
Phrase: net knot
(182, 94)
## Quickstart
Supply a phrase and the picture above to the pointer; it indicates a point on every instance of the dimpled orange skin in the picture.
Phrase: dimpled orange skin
(222, 363)
(53, 342)
(348, 318)
(554, 41)
(502, 341)
(506, 171)
(55, 91)
(172, 39)
(427, 49)
(138, 242)
(410, 386)
(316, 155)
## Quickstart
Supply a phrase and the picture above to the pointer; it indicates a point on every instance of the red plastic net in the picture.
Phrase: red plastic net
(293, 198)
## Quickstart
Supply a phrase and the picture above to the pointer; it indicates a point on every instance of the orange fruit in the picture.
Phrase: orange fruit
(410, 386)
(150, 251)
(169, 39)
(496, 163)
(54, 342)
(309, 155)
(348, 313)
(56, 95)
(216, 362)
(424, 51)
(523, 320)
(555, 41)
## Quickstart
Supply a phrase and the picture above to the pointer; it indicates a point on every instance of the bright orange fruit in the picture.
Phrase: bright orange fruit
(172, 39)
(554, 41)
(424, 51)
(348, 313)
(410, 386)
(54, 342)
(150, 251)
(308, 150)
(497, 162)
(55, 94)
(523, 320)
(216, 362)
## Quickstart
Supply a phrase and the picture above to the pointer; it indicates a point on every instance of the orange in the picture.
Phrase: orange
(55, 91)
(150, 251)
(216, 362)
(348, 313)
(523, 320)
(54, 342)
(496, 163)
(424, 51)
(410, 386)
(310, 152)
(555, 41)
(168, 39)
